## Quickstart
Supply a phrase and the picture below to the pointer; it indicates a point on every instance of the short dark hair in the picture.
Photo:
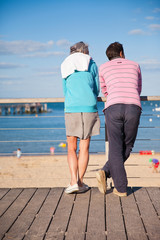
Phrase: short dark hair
(114, 50)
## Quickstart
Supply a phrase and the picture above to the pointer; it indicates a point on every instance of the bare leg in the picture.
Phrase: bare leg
(72, 158)
(83, 159)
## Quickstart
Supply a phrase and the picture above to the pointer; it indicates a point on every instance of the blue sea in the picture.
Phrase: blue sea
(36, 134)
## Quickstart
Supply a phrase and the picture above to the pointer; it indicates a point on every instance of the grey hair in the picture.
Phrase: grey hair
(79, 47)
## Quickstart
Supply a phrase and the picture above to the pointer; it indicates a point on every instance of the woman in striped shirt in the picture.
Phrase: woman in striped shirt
(121, 82)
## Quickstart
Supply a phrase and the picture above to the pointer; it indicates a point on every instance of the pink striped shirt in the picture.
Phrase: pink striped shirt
(121, 82)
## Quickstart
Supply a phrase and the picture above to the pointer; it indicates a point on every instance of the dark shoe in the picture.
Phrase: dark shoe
(101, 178)
(124, 194)
(84, 188)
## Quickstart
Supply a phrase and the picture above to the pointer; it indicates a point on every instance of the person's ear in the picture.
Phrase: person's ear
(121, 54)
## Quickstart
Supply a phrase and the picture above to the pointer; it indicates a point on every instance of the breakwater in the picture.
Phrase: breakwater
(23, 108)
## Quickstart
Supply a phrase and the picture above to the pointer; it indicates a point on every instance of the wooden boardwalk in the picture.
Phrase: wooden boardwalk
(49, 213)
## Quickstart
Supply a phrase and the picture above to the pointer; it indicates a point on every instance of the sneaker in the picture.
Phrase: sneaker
(72, 189)
(84, 188)
(124, 194)
(101, 178)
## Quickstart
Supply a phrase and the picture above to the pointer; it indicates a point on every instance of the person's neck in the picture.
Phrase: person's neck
(115, 58)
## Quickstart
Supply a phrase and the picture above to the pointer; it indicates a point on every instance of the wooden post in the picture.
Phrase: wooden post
(106, 142)
(41, 108)
(106, 139)
(45, 107)
(9, 110)
(18, 110)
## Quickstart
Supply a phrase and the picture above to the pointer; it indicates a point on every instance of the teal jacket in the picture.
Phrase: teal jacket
(81, 89)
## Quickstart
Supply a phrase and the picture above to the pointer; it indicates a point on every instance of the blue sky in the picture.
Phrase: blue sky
(35, 36)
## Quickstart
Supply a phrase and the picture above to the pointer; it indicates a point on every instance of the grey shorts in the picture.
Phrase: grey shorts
(82, 125)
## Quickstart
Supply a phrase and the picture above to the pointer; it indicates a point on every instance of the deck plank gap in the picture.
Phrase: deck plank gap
(125, 229)
(140, 215)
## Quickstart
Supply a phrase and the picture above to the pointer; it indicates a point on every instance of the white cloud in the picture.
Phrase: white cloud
(4, 65)
(138, 10)
(63, 43)
(6, 78)
(156, 10)
(47, 69)
(22, 47)
(46, 74)
(43, 54)
(31, 48)
(10, 82)
(136, 32)
(154, 26)
(150, 64)
(149, 17)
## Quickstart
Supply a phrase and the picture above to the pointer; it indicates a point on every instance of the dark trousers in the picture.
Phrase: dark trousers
(122, 122)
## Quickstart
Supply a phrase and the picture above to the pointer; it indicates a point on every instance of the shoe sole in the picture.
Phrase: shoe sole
(83, 190)
(101, 178)
(72, 191)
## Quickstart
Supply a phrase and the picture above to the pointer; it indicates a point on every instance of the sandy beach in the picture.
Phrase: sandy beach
(52, 171)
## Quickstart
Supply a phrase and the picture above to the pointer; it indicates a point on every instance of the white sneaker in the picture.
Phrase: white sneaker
(71, 189)
(84, 188)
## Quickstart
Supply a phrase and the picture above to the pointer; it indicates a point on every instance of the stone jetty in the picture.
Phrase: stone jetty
(23, 108)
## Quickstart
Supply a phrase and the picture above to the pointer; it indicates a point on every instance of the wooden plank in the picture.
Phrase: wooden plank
(8, 199)
(22, 224)
(77, 225)
(14, 211)
(74, 236)
(3, 191)
(39, 227)
(31, 213)
(148, 214)
(96, 217)
(60, 220)
(133, 223)
(98, 235)
(114, 219)
(154, 194)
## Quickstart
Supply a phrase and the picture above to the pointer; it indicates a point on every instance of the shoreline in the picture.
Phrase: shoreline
(52, 171)
(65, 154)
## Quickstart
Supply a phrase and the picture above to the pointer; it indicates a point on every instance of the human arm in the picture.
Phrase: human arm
(94, 71)
(64, 86)
(139, 80)
(102, 83)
